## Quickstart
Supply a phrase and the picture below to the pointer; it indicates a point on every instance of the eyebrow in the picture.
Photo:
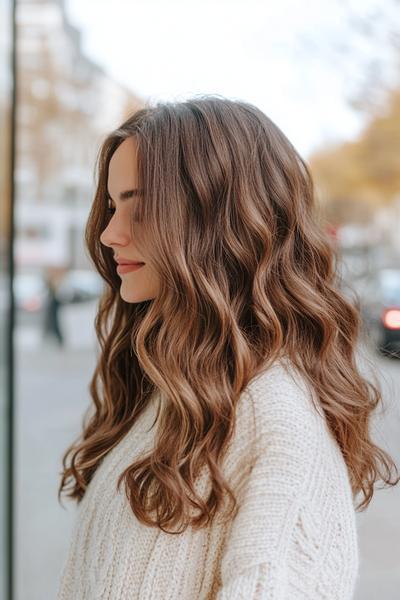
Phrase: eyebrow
(128, 194)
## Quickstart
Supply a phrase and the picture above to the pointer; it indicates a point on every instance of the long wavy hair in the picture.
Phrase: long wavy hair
(228, 222)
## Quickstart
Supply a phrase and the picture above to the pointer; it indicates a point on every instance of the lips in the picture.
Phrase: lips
(122, 261)
(127, 267)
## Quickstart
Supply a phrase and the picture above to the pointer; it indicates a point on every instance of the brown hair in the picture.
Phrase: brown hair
(247, 274)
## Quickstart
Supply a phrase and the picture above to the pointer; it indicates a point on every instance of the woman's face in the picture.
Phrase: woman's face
(140, 284)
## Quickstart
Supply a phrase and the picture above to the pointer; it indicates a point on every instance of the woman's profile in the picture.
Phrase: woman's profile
(226, 448)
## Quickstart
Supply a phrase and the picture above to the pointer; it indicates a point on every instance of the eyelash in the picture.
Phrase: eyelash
(110, 210)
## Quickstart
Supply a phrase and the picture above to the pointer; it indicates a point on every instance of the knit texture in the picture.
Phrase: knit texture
(294, 536)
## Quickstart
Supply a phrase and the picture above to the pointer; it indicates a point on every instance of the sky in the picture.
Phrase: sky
(300, 62)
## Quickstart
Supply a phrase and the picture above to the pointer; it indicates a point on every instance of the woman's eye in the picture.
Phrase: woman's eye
(110, 210)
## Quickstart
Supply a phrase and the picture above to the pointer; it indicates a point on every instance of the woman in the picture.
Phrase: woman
(229, 432)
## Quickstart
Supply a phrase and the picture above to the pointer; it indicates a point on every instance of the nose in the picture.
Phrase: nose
(116, 233)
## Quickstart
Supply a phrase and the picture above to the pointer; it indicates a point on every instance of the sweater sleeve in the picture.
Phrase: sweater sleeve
(277, 537)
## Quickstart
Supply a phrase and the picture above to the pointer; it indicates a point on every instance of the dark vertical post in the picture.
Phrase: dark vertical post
(10, 350)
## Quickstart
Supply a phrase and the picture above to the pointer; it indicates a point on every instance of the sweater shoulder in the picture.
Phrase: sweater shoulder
(281, 401)
(282, 387)
(276, 418)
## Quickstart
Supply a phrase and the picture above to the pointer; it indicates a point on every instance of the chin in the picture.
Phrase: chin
(134, 296)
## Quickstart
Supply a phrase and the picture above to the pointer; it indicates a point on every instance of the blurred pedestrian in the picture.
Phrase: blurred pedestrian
(52, 327)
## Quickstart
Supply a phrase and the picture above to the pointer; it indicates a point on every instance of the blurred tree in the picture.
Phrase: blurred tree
(362, 42)
(354, 178)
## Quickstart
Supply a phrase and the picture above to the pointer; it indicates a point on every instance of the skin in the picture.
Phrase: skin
(140, 285)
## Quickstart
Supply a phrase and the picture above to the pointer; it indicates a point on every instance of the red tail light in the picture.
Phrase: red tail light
(391, 318)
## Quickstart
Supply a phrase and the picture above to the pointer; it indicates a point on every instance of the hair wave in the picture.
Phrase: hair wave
(247, 274)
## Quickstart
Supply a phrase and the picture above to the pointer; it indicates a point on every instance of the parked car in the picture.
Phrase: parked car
(31, 294)
(79, 285)
(381, 310)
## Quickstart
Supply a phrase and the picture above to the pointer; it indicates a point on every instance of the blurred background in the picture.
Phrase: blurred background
(327, 74)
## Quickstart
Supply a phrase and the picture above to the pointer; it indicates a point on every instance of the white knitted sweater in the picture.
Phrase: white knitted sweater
(293, 538)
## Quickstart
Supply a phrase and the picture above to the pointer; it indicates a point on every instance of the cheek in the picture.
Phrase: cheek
(143, 279)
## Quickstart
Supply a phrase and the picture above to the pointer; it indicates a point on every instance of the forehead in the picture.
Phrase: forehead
(122, 169)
